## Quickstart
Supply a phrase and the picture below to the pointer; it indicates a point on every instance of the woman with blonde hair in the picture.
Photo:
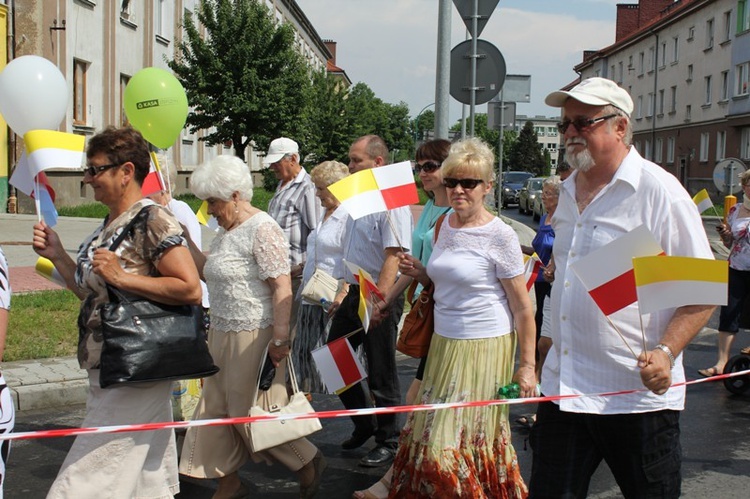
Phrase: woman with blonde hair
(325, 247)
(482, 311)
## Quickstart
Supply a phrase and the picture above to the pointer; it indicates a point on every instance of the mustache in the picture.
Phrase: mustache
(576, 141)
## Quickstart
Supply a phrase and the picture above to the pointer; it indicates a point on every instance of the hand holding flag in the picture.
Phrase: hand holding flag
(369, 294)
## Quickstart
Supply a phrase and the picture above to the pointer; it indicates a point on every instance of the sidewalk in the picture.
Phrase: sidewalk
(38, 384)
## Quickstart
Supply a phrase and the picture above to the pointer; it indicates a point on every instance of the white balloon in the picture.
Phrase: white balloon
(33, 94)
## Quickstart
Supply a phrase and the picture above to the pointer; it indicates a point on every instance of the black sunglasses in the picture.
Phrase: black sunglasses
(96, 170)
(466, 183)
(428, 167)
(581, 124)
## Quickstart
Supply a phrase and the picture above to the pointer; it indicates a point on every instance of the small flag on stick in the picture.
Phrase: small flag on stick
(46, 269)
(338, 365)
(531, 267)
(674, 281)
(702, 201)
(154, 181)
(376, 189)
(369, 294)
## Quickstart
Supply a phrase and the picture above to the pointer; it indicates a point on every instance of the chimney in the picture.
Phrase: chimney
(331, 46)
(627, 20)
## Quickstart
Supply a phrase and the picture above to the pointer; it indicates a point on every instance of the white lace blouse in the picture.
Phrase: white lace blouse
(236, 270)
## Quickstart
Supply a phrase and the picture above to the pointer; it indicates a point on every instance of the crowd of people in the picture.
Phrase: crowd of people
(486, 334)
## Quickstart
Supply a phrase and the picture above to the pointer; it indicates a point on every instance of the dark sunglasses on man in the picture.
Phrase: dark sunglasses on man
(582, 123)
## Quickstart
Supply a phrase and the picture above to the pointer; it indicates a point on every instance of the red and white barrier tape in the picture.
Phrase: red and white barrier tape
(68, 432)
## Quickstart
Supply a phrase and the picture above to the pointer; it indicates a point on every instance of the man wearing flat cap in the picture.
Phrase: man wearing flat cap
(294, 206)
(612, 191)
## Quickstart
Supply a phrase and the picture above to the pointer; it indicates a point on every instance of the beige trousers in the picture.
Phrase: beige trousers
(216, 451)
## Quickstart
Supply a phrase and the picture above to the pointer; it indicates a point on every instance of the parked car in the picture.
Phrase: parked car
(537, 209)
(531, 190)
(512, 183)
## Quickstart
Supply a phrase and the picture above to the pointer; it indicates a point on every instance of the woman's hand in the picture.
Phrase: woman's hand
(46, 243)
(106, 264)
(725, 233)
(408, 265)
(526, 379)
(277, 354)
(549, 272)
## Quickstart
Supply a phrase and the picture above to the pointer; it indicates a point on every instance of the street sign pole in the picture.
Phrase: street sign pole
(498, 180)
(474, 55)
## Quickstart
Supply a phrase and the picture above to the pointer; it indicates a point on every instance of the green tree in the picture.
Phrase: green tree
(325, 136)
(244, 79)
(424, 123)
(526, 152)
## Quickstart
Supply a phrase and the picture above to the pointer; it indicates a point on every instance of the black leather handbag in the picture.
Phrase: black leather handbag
(144, 340)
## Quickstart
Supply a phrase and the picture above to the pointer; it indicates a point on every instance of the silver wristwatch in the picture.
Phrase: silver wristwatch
(664, 348)
(280, 343)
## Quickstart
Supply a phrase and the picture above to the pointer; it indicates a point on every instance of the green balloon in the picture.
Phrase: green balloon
(156, 106)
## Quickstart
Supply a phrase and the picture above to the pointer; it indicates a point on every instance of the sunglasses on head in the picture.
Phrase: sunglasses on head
(428, 167)
(581, 123)
(465, 183)
(96, 170)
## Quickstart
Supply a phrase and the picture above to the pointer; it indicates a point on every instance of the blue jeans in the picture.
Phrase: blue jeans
(642, 451)
(382, 376)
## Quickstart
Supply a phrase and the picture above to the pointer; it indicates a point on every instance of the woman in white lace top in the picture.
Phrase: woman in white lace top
(482, 310)
(247, 273)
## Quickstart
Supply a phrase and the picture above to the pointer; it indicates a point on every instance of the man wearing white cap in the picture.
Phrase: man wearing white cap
(612, 191)
(294, 206)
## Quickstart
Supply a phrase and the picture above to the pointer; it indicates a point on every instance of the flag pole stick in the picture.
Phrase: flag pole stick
(393, 229)
(621, 337)
(643, 331)
(37, 199)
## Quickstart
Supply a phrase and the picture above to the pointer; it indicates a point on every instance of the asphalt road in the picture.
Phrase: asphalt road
(715, 440)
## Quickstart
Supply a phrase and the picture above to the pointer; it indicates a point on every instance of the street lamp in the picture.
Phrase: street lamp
(416, 125)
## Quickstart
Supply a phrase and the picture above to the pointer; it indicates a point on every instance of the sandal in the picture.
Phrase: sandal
(378, 490)
(707, 373)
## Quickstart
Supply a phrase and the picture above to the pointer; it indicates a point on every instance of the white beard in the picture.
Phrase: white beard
(581, 161)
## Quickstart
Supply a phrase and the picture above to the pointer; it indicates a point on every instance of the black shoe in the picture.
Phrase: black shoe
(356, 440)
(379, 456)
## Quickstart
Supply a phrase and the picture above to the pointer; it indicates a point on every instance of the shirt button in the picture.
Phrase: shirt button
(565, 352)
(579, 225)
(567, 284)
(572, 253)
(564, 317)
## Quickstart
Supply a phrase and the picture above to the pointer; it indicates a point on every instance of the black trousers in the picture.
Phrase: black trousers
(382, 376)
(642, 450)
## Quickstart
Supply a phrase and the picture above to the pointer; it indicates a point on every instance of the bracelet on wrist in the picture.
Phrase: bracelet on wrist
(664, 348)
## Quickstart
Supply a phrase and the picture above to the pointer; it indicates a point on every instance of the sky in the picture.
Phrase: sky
(391, 44)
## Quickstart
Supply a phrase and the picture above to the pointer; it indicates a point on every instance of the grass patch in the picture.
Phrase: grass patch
(42, 325)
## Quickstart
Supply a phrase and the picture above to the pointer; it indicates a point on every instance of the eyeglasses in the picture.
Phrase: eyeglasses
(428, 167)
(465, 183)
(96, 170)
(582, 123)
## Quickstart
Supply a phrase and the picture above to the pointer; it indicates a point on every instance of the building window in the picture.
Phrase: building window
(721, 145)
(704, 147)
(612, 72)
(639, 107)
(658, 151)
(745, 143)
(127, 11)
(688, 112)
(651, 102)
(670, 150)
(727, 27)
(691, 33)
(647, 149)
(661, 102)
(651, 59)
(724, 86)
(743, 8)
(743, 76)
(124, 79)
(160, 21)
(620, 70)
(673, 99)
(707, 88)
(79, 92)
(709, 34)
(675, 49)
(689, 73)
(663, 55)
(630, 64)
(641, 63)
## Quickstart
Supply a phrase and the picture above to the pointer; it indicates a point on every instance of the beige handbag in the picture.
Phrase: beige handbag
(267, 434)
(321, 286)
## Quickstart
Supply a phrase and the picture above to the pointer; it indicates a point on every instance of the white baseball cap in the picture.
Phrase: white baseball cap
(279, 148)
(595, 92)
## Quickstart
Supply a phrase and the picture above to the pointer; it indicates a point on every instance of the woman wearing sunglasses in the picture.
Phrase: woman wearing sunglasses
(482, 310)
(429, 158)
(152, 261)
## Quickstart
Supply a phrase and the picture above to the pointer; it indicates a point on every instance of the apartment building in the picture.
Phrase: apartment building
(686, 64)
(99, 45)
(546, 134)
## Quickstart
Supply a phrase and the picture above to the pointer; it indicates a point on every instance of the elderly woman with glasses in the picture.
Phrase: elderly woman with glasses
(152, 261)
(482, 311)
